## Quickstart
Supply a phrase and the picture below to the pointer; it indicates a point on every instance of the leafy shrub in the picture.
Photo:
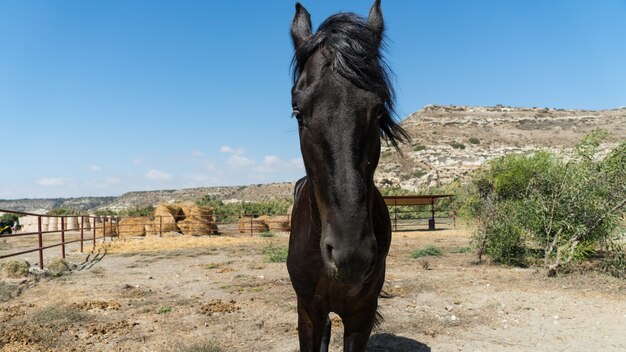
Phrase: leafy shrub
(63, 211)
(275, 254)
(9, 219)
(562, 207)
(266, 234)
(136, 211)
(457, 145)
(474, 140)
(230, 212)
(165, 310)
(428, 251)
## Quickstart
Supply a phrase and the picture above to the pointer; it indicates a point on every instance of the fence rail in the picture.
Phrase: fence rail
(41, 233)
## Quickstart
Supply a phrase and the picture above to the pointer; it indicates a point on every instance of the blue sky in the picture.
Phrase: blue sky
(106, 97)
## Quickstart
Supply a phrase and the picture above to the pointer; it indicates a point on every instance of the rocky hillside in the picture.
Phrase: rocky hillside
(451, 141)
(41, 206)
(448, 143)
(249, 193)
(142, 199)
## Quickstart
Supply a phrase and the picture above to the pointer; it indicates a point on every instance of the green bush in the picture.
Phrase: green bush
(275, 254)
(457, 145)
(63, 211)
(474, 140)
(9, 219)
(428, 251)
(230, 212)
(419, 147)
(136, 211)
(164, 310)
(560, 208)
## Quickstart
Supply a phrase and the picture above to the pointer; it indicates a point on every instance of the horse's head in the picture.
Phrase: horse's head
(343, 102)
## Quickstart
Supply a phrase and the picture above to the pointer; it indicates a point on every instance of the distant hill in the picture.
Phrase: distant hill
(142, 199)
(451, 141)
(448, 142)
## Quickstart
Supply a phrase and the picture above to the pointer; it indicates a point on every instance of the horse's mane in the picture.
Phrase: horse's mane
(355, 54)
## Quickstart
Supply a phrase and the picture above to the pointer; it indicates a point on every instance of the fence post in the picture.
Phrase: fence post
(104, 229)
(39, 235)
(160, 226)
(63, 237)
(111, 230)
(95, 224)
(251, 230)
(395, 218)
(82, 228)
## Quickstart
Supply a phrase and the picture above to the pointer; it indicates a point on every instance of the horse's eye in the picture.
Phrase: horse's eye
(296, 114)
(379, 112)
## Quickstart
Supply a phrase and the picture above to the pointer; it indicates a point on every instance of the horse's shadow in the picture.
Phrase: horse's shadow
(391, 343)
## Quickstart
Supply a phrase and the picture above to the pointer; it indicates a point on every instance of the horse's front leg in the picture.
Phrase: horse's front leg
(357, 329)
(313, 329)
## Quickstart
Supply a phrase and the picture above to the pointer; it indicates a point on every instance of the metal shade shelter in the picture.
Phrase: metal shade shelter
(414, 200)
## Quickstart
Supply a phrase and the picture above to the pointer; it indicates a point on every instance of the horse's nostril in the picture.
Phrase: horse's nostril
(329, 250)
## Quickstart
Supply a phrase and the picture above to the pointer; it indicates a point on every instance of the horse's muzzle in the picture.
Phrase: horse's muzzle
(349, 263)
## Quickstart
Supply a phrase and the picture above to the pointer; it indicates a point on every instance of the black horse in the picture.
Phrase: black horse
(341, 230)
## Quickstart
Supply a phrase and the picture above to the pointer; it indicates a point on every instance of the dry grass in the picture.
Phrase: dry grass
(200, 344)
(14, 269)
(9, 291)
(154, 244)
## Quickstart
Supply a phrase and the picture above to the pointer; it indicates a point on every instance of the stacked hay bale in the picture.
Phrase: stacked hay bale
(289, 212)
(71, 223)
(166, 216)
(279, 223)
(105, 226)
(133, 226)
(53, 223)
(86, 223)
(251, 224)
(198, 220)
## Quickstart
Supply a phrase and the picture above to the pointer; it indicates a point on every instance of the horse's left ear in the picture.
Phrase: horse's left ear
(375, 20)
(301, 30)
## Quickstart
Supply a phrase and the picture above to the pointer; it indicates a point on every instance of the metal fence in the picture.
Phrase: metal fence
(42, 233)
(57, 232)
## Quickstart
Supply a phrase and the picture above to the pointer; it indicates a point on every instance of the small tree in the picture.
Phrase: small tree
(564, 207)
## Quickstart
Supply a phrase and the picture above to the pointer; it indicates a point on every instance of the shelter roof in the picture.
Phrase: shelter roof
(415, 199)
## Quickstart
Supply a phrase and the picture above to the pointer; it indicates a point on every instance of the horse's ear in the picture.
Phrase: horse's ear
(300, 26)
(375, 20)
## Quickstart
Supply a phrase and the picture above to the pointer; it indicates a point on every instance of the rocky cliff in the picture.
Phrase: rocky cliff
(448, 142)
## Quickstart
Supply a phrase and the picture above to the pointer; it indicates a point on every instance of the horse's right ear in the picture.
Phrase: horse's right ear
(300, 26)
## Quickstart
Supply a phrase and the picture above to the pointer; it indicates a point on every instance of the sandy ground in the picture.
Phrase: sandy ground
(222, 294)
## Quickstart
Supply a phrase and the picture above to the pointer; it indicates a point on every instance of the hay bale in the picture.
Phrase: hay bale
(86, 223)
(53, 224)
(133, 226)
(71, 223)
(104, 227)
(278, 223)
(249, 224)
(167, 215)
(198, 220)
(152, 229)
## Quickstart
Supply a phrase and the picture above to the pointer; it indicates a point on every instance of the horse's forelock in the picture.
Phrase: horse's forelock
(356, 54)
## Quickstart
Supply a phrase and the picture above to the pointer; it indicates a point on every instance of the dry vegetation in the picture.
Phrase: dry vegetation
(180, 293)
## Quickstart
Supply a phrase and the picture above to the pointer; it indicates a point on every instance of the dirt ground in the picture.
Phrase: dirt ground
(223, 294)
